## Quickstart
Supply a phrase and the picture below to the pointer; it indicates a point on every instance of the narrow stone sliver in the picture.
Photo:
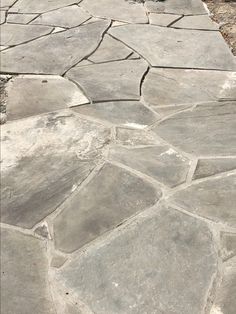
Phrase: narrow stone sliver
(118, 158)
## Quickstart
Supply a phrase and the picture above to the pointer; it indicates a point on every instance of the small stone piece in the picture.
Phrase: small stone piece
(2, 19)
(208, 167)
(110, 50)
(36, 94)
(52, 54)
(205, 130)
(120, 10)
(177, 87)
(35, 6)
(185, 7)
(20, 18)
(142, 268)
(134, 137)
(228, 244)
(118, 80)
(24, 269)
(58, 260)
(43, 230)
(167, 47)
(159, 162)
(202, 22)
(88, 214)
(212, 199)
(163, 19)
(126, 113)
(15, 34)
(67, 17)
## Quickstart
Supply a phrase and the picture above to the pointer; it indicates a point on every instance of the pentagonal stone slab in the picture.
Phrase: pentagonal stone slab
(213, 199)
(35, 6)
(65, 17)
(127, 113)
(89, 214)
(12, 34)
(228, 245)
(208, 129)
(24, 270)
(43, 160)
(196, 22)
(176, 86)
(52, 54)
(143, 267)
(110, 50)
(35, 94)
(119, 80)
(159, 162)
(120, 10)
(20, 18)
(134, 137)
(208, 167)
(166, 47)
(177, 7)
(163, 19)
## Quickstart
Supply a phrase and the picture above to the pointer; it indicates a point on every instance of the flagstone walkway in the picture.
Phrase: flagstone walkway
(118, 159)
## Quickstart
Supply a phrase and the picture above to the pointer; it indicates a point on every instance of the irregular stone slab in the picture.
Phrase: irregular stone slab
(65, 17)
(225, 296)
(88, 214)
(166, 47)
(196, 22)
(187, 130)
(35, 94)
(120, 10)
(159, 162)
(118, 80)
(24, 270)
(208, 167)
(6, 3)
(228, 244)
(142, 268)
(2, 17)
(177, 7)
(43, 160)
(135, 137)
(177, 86)
(20, 18)
(15, 34)
(212, 199)
(35, 6)
(126, 113)
(110, 50)
(52, 54)
(163, 19)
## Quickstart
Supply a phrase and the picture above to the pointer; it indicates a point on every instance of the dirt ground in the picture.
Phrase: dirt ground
(224, 13)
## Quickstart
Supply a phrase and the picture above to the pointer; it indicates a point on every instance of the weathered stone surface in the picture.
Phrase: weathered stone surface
(135, 137)
(166, 47)
(118, 80)
(228, 245)
(2, 18)
(159, 162)
(110, 50)
(206, 130)
(35, 6)
(176, 86)
(35, 94)
(12, 34)
(126, 113)
(24, 268)
(6, 3)
(143, 268)
(20, 18)
(213, 199)
(65, 17)
(225, 301)
(163, 19)
(43, 160)
(88, 214)
(203, 22)
(208, 167)
(177, 7)
(53, 54)
(120, 10)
